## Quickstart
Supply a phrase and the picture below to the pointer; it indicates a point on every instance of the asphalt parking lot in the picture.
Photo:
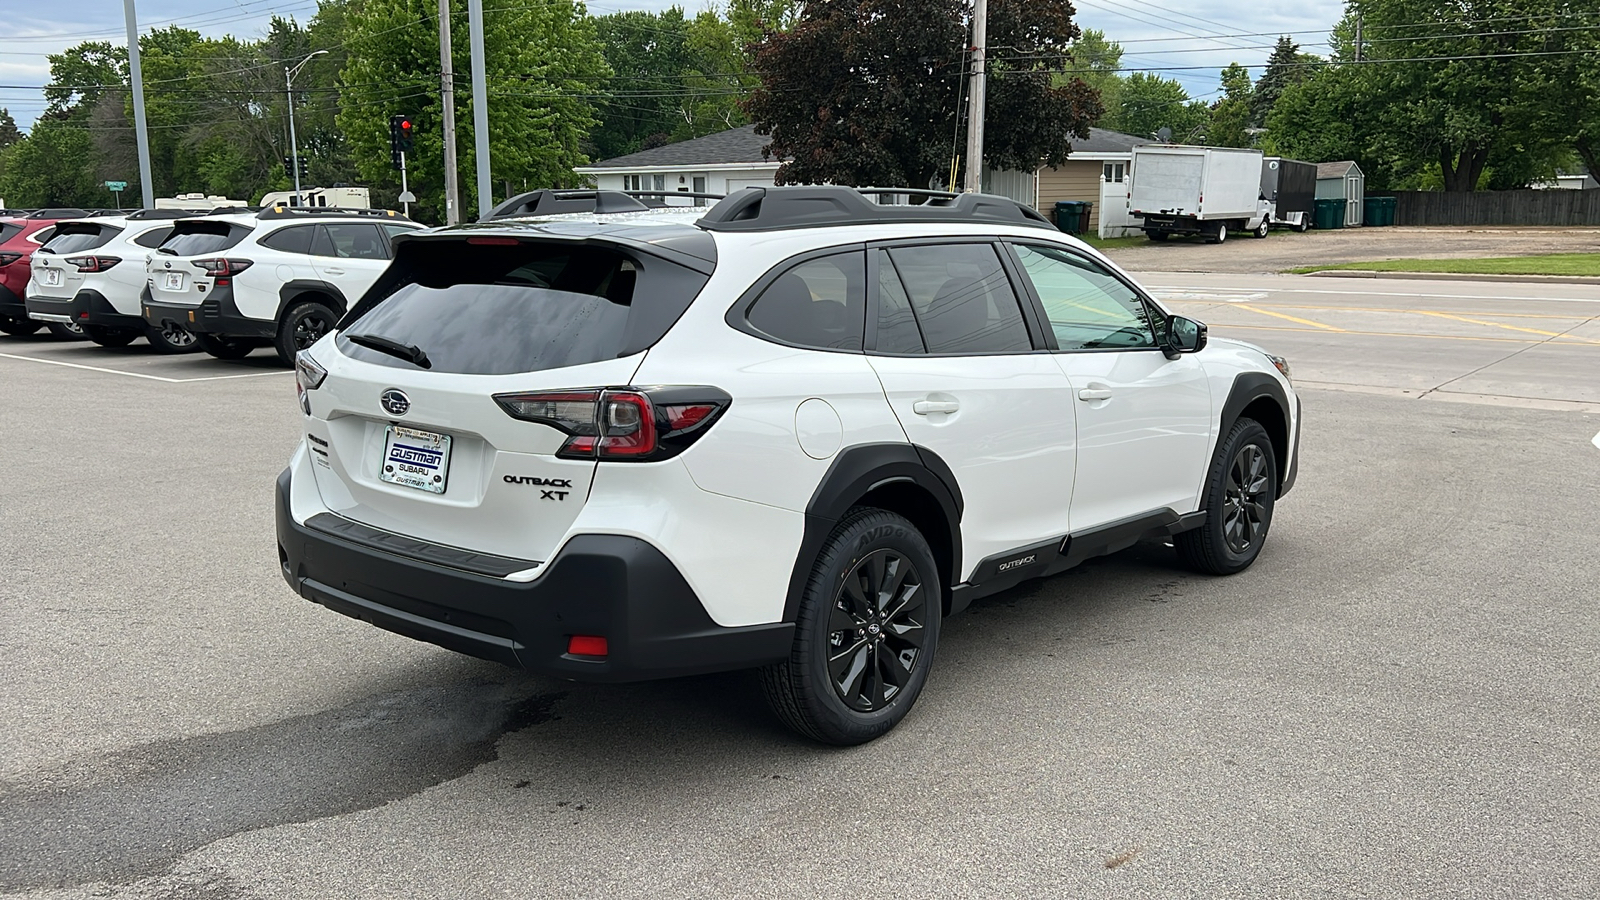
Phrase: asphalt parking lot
(1399, 699)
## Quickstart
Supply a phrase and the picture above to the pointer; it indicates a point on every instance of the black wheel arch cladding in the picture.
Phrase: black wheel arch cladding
(306, 289)
(1258, 396)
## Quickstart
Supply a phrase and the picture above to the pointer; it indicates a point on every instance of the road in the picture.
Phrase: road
(1398, 700)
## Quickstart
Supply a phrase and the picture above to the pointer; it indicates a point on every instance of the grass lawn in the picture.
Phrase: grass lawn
(1552, 264)
(1100, 243)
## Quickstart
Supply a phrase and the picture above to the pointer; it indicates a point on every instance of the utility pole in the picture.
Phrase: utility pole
(141, 132)
(294, 143)
(447, 90)
(980, 34)
(480, 105)
(1358, 37)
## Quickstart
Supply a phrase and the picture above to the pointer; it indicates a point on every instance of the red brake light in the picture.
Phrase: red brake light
(223, 268)
(624, 424)
(487, 241)
(628, 425)
(92, 263)
(587, 645)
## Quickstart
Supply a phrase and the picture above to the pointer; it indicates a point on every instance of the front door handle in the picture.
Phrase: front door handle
(929, 407)
(334, 271)
(1094, 394)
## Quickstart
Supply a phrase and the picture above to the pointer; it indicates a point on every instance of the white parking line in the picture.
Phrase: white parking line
(1596, 440)
(56, 362)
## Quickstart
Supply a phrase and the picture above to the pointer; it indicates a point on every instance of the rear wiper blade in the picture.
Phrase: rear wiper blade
(167, 250)
(411, 353)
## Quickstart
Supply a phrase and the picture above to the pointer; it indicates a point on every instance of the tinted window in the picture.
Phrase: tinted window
(154, 237)
(350, 241)
(897, 325)
(819, 303)
(962, 299)
(198, 238)
(294, 239)
(391, 231)
(1088, 308)
(78, 238)
(496, 310)
(8, 230)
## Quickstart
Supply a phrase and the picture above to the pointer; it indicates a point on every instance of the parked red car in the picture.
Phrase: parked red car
(19, 237)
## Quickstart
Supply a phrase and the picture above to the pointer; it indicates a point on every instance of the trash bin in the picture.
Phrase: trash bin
(1329, 214)
(1385, 210)
(1072, 216)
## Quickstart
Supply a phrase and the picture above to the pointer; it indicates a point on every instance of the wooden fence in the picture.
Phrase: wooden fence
(1552, 207)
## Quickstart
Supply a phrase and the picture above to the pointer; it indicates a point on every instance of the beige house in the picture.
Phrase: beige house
(1093, 173)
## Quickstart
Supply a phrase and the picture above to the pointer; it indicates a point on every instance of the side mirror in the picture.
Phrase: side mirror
(1185, 335)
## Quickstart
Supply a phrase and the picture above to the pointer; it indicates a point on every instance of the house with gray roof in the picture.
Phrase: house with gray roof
(718, 163)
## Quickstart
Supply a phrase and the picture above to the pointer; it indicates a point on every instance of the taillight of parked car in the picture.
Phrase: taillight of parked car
(223, 269)
(308, 375)
(7, 259)
(93, 263)
(622, 424)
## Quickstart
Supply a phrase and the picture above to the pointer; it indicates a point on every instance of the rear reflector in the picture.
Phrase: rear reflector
(586, 645)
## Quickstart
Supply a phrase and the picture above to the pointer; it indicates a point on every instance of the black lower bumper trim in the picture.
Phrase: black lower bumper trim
(216, 314)
(617, 587)
(87, 308)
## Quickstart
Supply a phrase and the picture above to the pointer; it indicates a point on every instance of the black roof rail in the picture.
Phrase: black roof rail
(174, 213)
(555, 202)
(299, 212)
(818, 206)
(66, 212)
(691, 195)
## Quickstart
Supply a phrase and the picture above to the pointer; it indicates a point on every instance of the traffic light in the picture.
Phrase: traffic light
(288, 166)
(305, 166)
(402, 135)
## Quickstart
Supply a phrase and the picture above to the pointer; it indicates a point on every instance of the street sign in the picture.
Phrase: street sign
(408, 197)
(116, 186)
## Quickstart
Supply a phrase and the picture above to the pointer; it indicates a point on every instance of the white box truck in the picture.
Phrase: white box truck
(1209, 191)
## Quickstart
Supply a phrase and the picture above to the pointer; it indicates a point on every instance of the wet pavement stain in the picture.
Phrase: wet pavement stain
(133, 814)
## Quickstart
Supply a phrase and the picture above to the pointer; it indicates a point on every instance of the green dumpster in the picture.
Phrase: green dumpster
(1379, 210)
(1072, 216)
(1329, 214)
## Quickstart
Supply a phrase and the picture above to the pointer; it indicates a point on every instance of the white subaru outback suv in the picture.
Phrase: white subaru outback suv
(791, 434)
(278, 278)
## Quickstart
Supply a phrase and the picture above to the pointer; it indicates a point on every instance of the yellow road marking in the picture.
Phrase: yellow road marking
(1556, 342)
(1377, 309)
(1554, 334)
(1268, 312)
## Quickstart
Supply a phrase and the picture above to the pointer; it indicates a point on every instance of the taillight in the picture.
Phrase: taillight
(223, 269)
(622, 424)
(93, 263)
(7, 259)
(308, 375)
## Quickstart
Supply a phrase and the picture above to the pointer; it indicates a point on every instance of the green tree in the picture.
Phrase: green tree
(649, 58)
(1148, 103)
(870, 91)
(8, 129)
(80, 76)
(1285, 66)
(35, 174)
(1096, 61)
(1230, 116)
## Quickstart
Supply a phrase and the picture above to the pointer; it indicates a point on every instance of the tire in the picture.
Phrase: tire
(1261, 232)
(1157, 235)
(170, 337)
(1218, 234)
(1241, 491)
(854, 697)
(1304, 226)
(110, 337)
(19, 326)
(303, 325)
(223, 347)
(66, 331)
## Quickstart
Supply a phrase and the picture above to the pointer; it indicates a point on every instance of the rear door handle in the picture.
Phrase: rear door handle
(1094, 394)
(334, 271)
(928, 407)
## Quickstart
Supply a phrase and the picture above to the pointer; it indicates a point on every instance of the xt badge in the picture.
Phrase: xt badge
(551, 484)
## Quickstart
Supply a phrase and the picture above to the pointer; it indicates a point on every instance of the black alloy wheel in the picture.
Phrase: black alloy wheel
(303, 326)
(66, 331)
(1241, 491)
(170, 337)
(875, 631)
(19, 326)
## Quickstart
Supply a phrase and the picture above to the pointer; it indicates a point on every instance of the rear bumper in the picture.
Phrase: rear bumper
(86, 308)
(613, 586)
(216, 314)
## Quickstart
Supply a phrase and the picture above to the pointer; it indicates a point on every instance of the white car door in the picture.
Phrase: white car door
(952, 346)
(350, 256)
(1144, 420)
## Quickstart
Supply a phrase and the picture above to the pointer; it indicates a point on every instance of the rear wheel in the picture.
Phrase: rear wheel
(1304, 226)
(110, 337)
(19, 326)
(1241, 490)
(302, 326)
(66, 331)
(865, 635)
(1218, 233)
(170, 337)
(223, 347)
(1157, 235)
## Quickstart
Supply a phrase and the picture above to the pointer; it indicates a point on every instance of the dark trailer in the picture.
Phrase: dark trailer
(1291, 187)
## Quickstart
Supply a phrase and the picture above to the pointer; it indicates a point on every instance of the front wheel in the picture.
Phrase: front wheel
(66, 331)
(170, 337)
(301, 327)
(1261, 232)
(19, 326)
(110, 337)
(1241, 490)
(223, 347)
(865, 635)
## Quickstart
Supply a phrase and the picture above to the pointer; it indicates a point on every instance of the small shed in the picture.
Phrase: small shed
(1345, 181)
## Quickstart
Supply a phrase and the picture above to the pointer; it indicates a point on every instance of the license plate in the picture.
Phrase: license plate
(172, 281)
(50, 278)
(415, 459)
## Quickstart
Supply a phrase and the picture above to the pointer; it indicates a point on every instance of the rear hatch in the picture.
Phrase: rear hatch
(184, 266)
(406, 431)
(60, 266)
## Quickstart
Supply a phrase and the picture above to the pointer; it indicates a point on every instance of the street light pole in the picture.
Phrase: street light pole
(294, 143)
(447, 92)
(141, 131)
(480, 105)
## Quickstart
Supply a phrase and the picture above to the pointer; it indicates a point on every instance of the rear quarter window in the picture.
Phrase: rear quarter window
(527, 307)
(195, 238)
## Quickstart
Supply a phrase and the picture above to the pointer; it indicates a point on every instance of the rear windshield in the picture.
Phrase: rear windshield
(74, 238)
(196, 238)
(498, 310)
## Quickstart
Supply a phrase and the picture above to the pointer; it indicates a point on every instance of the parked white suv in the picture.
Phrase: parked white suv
(91, 272)
(281, 277)
(791, 434)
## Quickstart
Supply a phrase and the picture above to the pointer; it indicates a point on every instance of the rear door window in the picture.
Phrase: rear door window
(819, 303)
(76, 238)
(294, 239)
(961, 297)
(196, 238)
(498, 310)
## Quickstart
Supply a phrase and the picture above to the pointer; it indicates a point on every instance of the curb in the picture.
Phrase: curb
(1456, 276)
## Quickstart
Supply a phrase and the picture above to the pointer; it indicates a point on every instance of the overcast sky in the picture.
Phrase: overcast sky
(1191, 46)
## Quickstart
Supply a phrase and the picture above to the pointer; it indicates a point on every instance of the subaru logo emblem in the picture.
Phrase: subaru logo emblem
(395, 402)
